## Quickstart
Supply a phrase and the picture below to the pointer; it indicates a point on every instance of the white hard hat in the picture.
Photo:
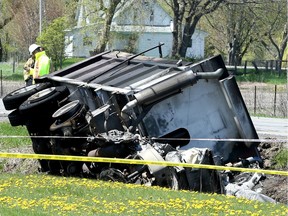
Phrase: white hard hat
(32, 48)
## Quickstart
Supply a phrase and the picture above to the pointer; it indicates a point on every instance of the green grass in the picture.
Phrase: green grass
(263, 77)
(11, 142)
(70, 61)
(7, 71)
(50, 195)
(8, 74)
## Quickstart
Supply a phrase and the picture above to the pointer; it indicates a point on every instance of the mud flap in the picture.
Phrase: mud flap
(202, 180)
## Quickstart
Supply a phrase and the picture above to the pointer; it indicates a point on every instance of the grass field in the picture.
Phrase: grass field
(7, 142)
(51, 195)
(42, 194)
(8, 73)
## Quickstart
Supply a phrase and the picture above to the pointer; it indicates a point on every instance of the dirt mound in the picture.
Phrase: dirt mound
(274, 186)
(19, 165)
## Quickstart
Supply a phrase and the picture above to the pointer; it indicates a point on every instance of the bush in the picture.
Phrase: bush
(281, 159)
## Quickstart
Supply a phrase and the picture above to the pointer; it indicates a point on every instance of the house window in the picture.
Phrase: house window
(151, 16)
(87, 41)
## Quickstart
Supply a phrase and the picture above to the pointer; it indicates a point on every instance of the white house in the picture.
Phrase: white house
(140, 23)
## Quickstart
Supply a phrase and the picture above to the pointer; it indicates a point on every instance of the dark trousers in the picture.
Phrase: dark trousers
(29, 81)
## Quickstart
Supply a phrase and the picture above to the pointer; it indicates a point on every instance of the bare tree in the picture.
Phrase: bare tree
(256, 27)
(274, 36)
(108, 14)
(23, 28)
(235, 29)
(241, 23)
(178, 10)
(102, 14)
(188, 13)
(19, 28)
(5, 18)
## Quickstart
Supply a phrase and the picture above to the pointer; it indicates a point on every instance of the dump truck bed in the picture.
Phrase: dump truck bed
(187, 105)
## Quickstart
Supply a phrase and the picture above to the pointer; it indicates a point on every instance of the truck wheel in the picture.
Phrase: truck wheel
(16, 119)
(44, 102)
(14, 99)
(41, 146)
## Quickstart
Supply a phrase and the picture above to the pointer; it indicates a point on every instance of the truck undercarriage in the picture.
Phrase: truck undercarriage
(119, 105)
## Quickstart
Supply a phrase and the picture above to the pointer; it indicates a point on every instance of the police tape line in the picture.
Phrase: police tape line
(137, 162)
(159, 139)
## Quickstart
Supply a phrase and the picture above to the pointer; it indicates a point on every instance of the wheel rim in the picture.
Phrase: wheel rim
(41, 94)
(25, 89)
(68, 108)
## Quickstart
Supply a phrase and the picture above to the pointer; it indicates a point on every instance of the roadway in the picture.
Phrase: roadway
(271, 126)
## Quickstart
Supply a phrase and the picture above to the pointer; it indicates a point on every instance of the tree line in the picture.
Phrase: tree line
(237, 29)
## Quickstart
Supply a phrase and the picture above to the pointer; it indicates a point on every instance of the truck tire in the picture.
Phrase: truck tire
(44, 102)
(66, 112)
(41, 146)
(16, 119)
(14, 99)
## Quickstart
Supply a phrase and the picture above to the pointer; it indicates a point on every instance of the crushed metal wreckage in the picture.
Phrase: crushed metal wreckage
(115, 103)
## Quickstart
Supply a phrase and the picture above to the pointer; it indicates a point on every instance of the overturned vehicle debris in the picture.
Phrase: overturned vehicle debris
(120, 105)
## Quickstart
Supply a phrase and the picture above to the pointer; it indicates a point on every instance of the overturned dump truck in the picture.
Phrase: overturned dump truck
(120, 105)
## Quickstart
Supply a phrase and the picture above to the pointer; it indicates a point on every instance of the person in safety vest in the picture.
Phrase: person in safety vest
(28, 71)
(42, 61)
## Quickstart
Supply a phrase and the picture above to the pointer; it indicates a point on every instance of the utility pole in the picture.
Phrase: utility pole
(40, 17)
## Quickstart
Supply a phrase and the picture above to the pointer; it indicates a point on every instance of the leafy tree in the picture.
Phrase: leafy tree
(53, 40)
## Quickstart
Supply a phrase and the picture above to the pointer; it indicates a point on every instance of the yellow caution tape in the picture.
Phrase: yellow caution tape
(137, 162)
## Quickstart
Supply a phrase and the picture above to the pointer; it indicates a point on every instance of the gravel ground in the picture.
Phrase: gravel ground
(9, 86)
